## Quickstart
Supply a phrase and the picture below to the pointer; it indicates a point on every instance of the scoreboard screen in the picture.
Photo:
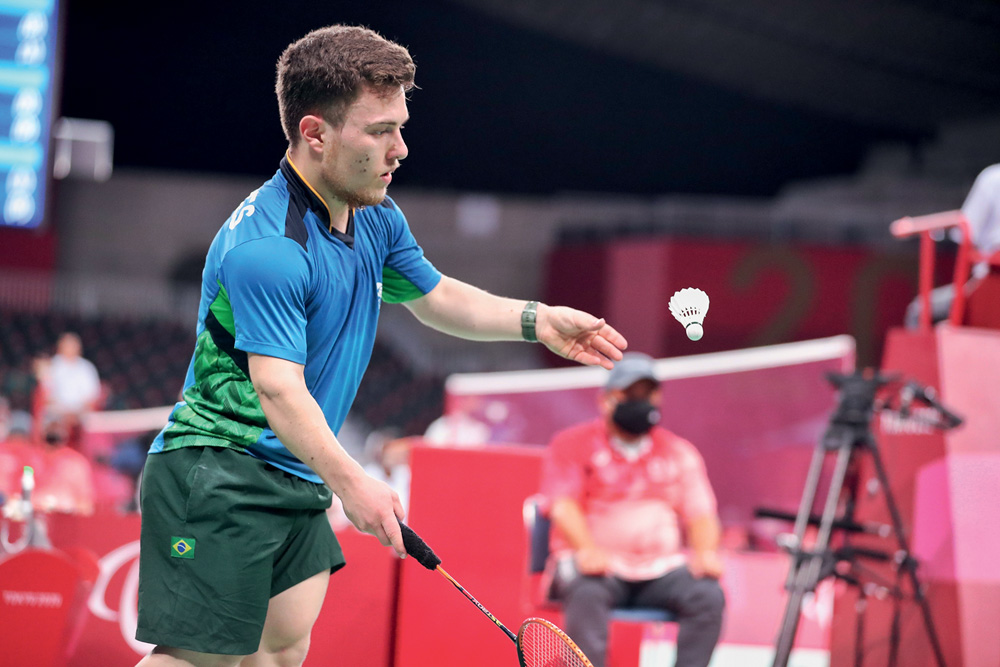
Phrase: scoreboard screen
(28, 55)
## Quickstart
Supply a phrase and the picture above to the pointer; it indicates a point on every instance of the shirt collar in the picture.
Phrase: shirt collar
(297, 180)
(631, 451)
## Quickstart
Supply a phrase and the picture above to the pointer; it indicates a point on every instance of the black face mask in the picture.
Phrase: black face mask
(636, 417)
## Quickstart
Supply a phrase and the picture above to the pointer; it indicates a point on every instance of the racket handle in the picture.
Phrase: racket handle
(416, 547)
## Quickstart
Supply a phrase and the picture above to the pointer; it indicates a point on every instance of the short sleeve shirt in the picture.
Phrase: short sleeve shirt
(635, 508)
(279, 282)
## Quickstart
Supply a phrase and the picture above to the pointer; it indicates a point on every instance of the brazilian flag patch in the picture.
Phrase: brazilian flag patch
(182, 547)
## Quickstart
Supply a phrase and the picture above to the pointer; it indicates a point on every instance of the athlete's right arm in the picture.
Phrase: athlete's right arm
(297, 420)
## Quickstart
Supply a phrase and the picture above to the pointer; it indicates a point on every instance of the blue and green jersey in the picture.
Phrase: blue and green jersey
(279, 282)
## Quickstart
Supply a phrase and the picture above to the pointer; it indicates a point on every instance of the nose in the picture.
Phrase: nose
(398, 150)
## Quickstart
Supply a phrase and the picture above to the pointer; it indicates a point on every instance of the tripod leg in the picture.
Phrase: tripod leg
(806, 570)
(806, 504)
(908, 562)
(859, 633)
(897, 617)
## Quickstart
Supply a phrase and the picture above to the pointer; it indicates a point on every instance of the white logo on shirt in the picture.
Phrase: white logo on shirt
(247, 209)
(378, 295)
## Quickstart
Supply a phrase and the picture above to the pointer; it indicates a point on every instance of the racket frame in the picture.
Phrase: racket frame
(558, 632)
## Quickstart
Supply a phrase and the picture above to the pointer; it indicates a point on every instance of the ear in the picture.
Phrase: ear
(655, 396)
(312, 132)
(607, 400)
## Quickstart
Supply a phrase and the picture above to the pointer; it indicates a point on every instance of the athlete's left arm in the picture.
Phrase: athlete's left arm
(463, 310)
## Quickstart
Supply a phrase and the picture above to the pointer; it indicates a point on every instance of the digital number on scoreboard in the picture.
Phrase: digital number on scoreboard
(27, 61)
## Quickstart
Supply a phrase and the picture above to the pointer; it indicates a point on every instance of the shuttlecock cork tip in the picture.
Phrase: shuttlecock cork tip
(688, 306)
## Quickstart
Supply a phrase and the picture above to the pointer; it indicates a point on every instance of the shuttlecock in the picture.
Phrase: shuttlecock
(688, 306)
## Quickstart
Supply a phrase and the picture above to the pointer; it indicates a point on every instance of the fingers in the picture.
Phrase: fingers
(599, 351)
(397, 507)
(582, 337)
(611, 335)
(606, 344)
(394, 535)
(605, 347)
(591, 359)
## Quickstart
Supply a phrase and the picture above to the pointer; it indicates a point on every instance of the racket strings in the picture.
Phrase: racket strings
(543, 646)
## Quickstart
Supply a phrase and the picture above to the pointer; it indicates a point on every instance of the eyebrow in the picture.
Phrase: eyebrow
(391, 123)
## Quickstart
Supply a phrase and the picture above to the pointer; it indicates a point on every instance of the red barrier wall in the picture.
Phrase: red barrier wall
(354, 629)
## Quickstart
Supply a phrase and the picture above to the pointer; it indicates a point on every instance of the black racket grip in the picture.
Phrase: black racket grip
(416, 547)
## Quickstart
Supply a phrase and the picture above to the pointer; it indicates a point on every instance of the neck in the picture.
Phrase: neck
(622, 436)
(310, 169)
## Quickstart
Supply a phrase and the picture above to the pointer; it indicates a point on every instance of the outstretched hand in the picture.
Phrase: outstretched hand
(579, 336)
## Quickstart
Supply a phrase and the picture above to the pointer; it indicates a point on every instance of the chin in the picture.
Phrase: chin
(361, 198)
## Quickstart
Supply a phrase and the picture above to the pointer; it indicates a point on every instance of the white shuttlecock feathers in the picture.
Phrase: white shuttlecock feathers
(688, 306)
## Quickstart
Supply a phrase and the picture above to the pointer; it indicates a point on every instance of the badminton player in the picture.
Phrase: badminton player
(236, 548)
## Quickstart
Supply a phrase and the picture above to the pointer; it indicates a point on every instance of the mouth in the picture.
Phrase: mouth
(387, 176)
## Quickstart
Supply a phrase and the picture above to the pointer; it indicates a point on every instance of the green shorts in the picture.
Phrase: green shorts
(223, 533)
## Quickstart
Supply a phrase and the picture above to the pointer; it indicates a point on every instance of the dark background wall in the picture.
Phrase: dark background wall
(188, 85)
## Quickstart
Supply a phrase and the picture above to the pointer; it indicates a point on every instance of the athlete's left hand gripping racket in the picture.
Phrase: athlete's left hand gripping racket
(539, 642)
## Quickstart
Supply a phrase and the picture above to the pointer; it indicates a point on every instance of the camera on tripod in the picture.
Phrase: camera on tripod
(849, 432)
(856, 404)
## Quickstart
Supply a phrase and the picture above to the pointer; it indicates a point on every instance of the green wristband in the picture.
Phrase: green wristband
(528, 317)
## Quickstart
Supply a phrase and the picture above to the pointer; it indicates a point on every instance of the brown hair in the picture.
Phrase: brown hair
(325, 71)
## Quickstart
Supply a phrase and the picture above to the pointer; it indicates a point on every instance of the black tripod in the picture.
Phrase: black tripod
(849, 432)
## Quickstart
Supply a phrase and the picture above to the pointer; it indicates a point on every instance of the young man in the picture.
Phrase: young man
(620, 490)
(236, 546)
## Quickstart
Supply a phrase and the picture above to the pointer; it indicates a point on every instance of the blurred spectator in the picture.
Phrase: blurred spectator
(389, 461)
(622, 492)
(459, 426)
(15, 450)
(982, 210)
(71, 384)
(63, 477)
(65, 480)
(18, 384)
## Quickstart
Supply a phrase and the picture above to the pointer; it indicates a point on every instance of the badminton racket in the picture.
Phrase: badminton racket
(539, 643)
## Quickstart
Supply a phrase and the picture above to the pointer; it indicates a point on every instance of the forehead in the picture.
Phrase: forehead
(639, 387)
(375, 105)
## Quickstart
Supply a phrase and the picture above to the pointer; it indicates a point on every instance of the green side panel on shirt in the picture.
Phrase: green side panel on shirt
(222, 404)
(223, 311)
(396, 288)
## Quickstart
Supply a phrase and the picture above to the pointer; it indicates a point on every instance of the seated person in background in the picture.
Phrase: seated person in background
(982, 210)
(16, 451)
(65, 482)
(63, 477)
(71, 384)
(620, 490)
